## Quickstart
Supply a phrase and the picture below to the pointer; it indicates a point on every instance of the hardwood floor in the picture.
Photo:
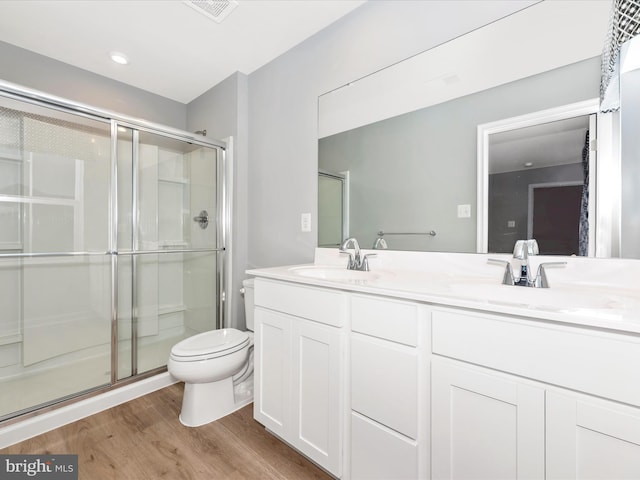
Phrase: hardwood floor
(143, 439)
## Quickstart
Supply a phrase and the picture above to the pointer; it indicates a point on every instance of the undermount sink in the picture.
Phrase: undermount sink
(555, 298)
(334, 273)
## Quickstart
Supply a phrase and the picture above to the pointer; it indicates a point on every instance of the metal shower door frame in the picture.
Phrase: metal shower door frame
(222, 220)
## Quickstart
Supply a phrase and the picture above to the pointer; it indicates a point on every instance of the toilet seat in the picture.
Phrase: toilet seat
(207, 345)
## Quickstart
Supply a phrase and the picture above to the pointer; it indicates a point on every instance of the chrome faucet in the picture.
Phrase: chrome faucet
(518, 270)
(356, 260)
(520, 262)
(380, 244)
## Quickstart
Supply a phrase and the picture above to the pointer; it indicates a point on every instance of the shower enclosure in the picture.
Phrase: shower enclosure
(111, 247)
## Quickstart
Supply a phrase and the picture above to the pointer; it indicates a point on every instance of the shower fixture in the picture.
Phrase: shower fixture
(201, 132)
(202, 219)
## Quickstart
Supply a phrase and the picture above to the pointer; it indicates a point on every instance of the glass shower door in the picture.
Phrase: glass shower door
(55, 266)
(168, 271)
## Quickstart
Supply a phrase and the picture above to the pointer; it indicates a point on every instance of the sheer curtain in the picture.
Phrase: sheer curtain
(623, 25)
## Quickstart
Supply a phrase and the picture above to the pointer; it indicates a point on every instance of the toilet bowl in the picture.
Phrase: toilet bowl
(216, 368)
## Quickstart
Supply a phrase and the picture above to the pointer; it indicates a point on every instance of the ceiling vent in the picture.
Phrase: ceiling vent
(216, 10)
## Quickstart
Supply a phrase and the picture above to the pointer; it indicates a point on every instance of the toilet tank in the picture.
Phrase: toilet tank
(248, 302)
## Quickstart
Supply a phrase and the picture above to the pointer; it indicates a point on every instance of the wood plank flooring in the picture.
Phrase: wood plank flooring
(143, 439)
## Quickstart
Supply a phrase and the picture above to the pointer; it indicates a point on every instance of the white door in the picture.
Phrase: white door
(316, 393)
(588, 438)
(485, 425)
(272, 377)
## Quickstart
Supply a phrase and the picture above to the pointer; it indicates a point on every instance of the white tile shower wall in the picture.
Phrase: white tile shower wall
(10, 281)
(200, 292)
(66, 306)
(202, 163)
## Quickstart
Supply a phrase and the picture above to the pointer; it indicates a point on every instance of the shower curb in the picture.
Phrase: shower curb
(31, 427)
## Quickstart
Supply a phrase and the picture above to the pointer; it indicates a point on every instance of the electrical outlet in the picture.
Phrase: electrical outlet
(464, 211)
(511, 224)
(305, 222)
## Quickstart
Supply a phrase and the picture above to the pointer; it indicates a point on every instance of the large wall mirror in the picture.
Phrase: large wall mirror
(460, 148)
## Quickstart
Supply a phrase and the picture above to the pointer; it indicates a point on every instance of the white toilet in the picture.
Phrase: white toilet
(216, 368)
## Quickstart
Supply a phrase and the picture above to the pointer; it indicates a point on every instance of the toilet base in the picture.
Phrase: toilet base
(204, 403)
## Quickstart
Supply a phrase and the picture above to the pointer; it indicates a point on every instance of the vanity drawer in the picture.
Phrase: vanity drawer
(384, 383)
(380, 453)
(317, 304)
(385, 318)
(599, 363)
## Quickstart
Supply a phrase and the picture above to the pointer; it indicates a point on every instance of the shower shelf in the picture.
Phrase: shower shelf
(11, 246)
(183, 181)
(10, 338)
(168, 309)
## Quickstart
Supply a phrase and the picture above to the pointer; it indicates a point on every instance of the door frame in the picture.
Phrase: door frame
(344, 178)
(579, 109)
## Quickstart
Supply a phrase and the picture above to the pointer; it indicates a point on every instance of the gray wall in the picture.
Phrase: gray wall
(509, 200)
(38, 72)
(283, 114)
(410, 172)
(222, 111)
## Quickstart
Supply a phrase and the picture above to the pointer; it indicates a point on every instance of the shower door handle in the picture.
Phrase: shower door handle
(202, 219)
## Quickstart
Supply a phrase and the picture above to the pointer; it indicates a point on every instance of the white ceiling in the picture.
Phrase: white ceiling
(174, 51)
(544, 145)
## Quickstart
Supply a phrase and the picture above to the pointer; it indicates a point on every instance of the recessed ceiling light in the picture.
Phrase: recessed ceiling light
(119, 58)
(528, 164)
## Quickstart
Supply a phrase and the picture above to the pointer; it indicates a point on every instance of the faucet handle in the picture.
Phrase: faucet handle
(507, 278)
(541, 278)
(351, 262)
(365, 261)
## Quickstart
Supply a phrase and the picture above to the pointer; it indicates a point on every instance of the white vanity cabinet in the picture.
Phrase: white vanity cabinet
(485, 425)
(502, 408)
(375, 382)
(389, 378)
(591, 438)
(299, 376)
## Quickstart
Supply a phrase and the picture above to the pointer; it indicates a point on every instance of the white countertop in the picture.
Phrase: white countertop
(599, 293)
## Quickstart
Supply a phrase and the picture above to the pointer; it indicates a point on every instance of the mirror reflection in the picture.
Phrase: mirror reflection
(413, 178)
(539, 187)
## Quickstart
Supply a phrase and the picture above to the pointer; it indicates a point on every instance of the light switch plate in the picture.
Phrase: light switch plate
(305, 222)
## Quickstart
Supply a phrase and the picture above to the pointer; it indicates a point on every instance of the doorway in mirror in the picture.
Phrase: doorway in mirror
(534, 182)
(333, 208)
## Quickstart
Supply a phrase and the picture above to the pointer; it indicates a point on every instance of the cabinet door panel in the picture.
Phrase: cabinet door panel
(591, 439)
(316, 396)
(272, 404)
(485, 426)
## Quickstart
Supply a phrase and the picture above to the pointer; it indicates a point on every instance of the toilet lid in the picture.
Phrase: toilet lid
(214, 341)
